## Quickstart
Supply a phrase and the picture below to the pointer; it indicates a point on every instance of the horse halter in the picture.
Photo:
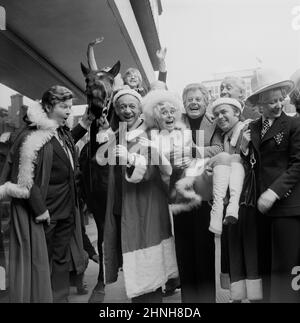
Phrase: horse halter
(107, 105)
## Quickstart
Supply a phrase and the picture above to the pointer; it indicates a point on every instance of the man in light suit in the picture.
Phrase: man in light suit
(275, 139)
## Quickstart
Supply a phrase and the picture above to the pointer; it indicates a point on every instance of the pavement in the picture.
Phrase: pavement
(115, 293)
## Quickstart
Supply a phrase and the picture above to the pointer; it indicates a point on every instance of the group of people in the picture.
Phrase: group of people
(230, 179)
(170, 175)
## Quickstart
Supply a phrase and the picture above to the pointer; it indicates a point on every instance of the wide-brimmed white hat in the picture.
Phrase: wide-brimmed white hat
(229, 101)
(267, 79)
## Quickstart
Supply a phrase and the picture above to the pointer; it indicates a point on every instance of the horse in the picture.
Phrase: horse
(99, 93)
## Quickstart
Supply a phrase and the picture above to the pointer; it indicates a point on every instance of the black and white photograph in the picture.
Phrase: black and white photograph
(150, 153)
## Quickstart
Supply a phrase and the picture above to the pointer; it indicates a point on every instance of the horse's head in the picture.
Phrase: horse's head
(99, 87)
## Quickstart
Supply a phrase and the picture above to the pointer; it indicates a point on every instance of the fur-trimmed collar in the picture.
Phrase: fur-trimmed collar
(186, 197)
(38, 117)
(32, 144)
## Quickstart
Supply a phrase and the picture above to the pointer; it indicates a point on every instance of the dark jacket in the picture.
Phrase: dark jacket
(278, 163)
(61, 197)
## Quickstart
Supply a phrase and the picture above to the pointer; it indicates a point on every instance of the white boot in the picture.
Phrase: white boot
(236, 181)
(221, 175)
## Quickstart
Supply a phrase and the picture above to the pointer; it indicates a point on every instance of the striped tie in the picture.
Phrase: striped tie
(265, 127)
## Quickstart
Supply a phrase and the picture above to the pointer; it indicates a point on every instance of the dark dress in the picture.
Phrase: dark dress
(194, 243)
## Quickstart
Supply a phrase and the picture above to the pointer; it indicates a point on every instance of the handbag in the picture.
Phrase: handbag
(248, 196)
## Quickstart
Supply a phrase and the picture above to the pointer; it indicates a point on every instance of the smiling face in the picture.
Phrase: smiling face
(60, 112)
(165, 115)
(227, 116)
(271, 103)
(195, 104)
(128, 109)
(132, 78)
(232, 88)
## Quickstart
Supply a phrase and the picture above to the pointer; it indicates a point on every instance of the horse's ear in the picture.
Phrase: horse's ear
(84, 70)
(115, 69)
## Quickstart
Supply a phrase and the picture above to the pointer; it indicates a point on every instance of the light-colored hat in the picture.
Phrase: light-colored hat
(154, 97)
(126, 90)
(267, 79)
(229, 101)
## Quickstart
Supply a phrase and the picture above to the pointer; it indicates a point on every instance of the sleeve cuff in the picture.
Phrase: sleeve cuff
(273, 193)
(137, 171)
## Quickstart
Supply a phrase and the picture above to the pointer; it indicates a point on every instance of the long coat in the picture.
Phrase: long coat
(147, 244)
(27, 173)
(277, 168)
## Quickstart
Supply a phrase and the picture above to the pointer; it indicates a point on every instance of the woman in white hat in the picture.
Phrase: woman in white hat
(275, 141)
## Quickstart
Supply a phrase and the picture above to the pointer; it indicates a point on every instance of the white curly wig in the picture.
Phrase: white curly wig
(150, 104)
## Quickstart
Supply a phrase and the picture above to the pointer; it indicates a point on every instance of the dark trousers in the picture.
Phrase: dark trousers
(58, 237)
(153, 297)
(224, 250)
(195, 251)
(285, 256)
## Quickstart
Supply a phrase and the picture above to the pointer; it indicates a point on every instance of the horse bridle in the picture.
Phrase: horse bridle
(107, 105)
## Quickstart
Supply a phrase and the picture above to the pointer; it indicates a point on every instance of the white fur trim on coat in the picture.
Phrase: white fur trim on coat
(254, 289)
(238, 290)
(13, 190)
(140, 167)
(28, 153)
(38, 117)
(145, 270)
(184, 187)
(247, 288)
